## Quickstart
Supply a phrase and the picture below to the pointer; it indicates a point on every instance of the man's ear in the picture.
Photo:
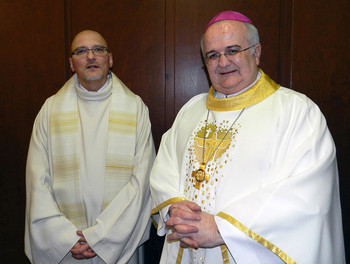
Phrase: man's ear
(71, 64)
(110, 60)
(257, 53)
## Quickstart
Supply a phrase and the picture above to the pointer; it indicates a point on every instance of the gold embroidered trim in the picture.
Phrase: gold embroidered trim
(179, 255)
(224, 252)
(154, 222)
(263, 88)
(166, 203)
(282, 255)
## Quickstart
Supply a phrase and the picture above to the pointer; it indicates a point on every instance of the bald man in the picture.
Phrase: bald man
(88, 166)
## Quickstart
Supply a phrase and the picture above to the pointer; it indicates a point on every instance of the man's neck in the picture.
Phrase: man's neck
(98, 87)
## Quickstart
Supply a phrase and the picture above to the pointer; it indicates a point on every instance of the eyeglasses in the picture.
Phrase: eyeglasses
(213, 57)
(97, 51)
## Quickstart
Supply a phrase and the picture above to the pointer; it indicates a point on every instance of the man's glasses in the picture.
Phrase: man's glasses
(97, 51)
(213, 57)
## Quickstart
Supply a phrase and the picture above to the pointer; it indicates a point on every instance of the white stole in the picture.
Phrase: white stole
(64, 132)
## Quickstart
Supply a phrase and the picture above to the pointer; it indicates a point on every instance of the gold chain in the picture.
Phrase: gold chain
(200, 174)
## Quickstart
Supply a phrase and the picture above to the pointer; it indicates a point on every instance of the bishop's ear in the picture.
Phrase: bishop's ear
(257, 53)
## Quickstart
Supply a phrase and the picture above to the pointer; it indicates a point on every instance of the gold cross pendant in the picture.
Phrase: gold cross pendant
(200, 175)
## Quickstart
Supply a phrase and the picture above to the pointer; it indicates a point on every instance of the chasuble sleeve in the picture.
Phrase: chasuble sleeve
(166, 184)
(125, 223)
(49, 235)
(164, 192)
(296, 215)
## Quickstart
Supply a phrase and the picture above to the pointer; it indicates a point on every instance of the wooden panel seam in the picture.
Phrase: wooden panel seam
(285, 67)
(67, 36)
(169, 63)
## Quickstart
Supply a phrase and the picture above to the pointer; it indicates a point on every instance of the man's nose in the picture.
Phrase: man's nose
(90, 54)
(223, 60)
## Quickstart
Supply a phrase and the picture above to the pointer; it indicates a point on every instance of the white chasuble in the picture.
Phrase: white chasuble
(68, 191)
(271, 183)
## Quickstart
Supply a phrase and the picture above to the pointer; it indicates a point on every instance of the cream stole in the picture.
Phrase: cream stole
(64, 133)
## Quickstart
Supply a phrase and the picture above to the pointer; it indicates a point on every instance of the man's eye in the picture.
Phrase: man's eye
(213, 56)
(231, 51)
(80, 52)
(99, 49)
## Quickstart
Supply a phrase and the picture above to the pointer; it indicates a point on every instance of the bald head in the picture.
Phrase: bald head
(88, 36)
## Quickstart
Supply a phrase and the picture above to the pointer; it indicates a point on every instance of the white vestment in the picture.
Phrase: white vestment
(111, 208)
(272, 180)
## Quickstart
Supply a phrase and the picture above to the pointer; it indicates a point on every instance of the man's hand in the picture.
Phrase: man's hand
(82, 250)
(181, 213)
(193, 227)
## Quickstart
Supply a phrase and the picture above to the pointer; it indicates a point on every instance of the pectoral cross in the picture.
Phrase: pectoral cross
(200, 176)
(208, 133)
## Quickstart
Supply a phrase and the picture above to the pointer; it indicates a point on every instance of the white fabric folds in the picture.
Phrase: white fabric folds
(88, 169)
(273, 186)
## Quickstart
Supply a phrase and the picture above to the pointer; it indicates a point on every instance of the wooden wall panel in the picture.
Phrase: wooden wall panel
(32, 68)
(321, 65)
(135, 32)
(169, 63)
